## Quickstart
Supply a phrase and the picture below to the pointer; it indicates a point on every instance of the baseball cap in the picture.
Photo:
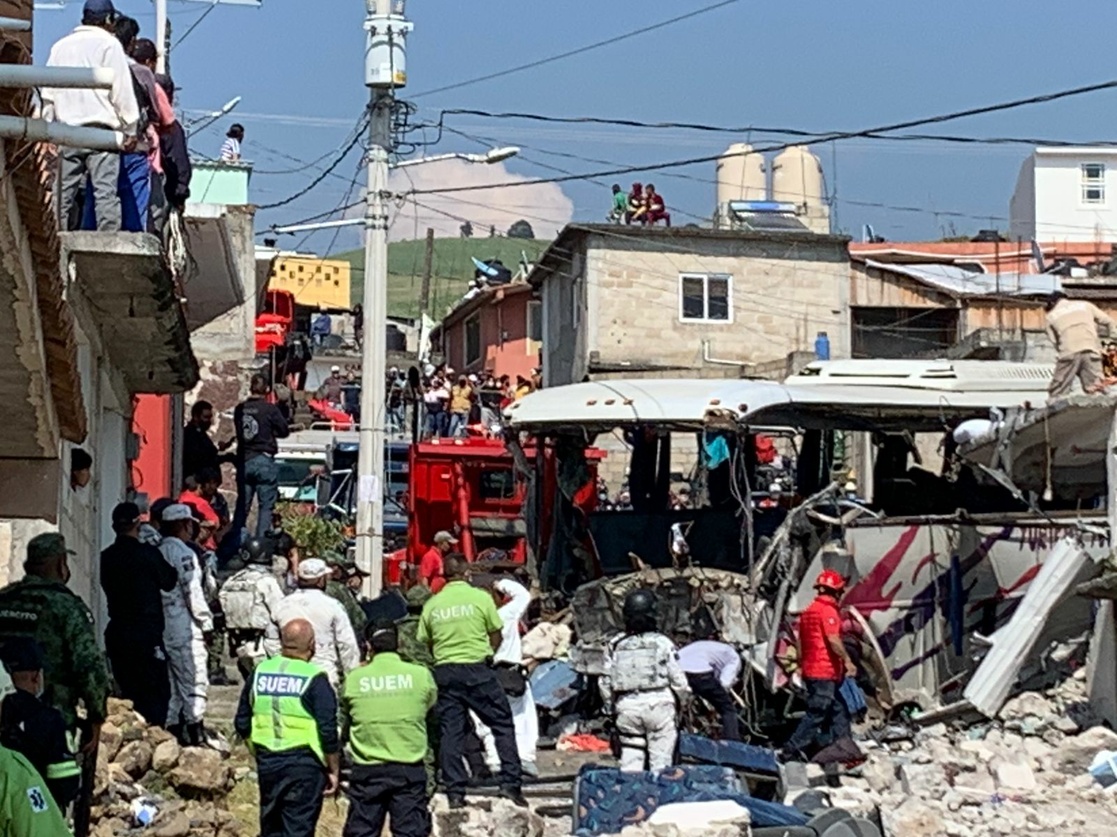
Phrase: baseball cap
(125, 514)
(177, 511)
(335, 368)
(21, 653)
(313, 569)
(48, 545)
(99, 8)
(444, 537)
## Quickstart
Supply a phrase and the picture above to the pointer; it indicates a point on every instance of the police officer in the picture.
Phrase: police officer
(27, 808)
(463, 628)
(336, 647)
(384, 709)
(641, 684)
(32, 728)
(41, 607)
(133, 576)
(288, 716)
(249, 598)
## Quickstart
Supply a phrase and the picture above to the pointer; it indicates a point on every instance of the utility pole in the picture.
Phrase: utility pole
(385, 70)
(428, 271)
(161, 37)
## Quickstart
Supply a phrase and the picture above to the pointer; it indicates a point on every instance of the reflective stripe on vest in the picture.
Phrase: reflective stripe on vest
(280, 722)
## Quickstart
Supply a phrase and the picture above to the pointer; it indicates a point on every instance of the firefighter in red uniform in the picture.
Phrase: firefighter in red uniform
(825, 664)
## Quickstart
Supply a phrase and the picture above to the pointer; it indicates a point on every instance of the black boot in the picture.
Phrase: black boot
(195, 736)
(179, 732)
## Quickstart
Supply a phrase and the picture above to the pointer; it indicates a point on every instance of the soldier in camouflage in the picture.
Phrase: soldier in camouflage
(411, 650)
(337, 588)
(41, 607)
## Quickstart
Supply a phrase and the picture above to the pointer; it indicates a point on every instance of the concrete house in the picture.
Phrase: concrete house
(677, 302)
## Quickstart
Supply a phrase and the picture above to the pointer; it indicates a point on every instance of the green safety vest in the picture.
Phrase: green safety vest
(280, 722)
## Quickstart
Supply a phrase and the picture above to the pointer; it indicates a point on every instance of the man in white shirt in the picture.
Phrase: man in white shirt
(93, 44)
(513, 600)
(711, 669)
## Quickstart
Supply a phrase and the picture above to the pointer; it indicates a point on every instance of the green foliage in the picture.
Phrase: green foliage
(314, 535)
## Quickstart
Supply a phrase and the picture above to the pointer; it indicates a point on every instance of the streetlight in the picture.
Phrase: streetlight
(202, 122)
(493, 155)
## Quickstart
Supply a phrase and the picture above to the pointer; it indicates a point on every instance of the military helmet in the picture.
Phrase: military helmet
(417, 596)
(256, 551)
(639, 606)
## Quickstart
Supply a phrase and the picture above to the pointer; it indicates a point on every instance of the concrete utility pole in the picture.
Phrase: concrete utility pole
(385, 70)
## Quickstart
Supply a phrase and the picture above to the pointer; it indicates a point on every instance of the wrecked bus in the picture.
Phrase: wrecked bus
(867, 480)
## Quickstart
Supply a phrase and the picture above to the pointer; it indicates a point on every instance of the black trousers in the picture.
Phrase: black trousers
(709, 688)
(398, 791)
(139, 667)
(825, 721)
(462, 687)
(290, 795)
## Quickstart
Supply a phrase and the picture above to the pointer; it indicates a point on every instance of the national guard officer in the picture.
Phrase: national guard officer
(641, 684)
(337, 587)
(288, 716)
(26, 807)
(32, 728)
(249, 598)
(384, 708)
(40, 606)
(410, 648)
(463, 628)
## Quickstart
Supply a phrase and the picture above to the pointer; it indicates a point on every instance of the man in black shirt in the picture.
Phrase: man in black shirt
(259, 425)
(33, 729)
(198, 450)
(133, 574)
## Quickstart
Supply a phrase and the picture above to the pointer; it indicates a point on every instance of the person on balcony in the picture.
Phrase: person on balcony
(230, 149)
(93, 45)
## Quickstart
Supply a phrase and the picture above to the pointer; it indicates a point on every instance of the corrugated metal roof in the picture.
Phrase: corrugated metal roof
(960, 282)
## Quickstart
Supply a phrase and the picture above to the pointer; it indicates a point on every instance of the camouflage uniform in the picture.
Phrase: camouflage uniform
(337, 590)
(410, 648)
(51, 614)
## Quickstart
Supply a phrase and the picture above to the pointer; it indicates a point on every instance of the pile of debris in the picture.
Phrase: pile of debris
(146, 783)
(1026, 773)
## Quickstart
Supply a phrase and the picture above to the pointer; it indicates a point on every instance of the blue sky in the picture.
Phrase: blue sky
(814, 65)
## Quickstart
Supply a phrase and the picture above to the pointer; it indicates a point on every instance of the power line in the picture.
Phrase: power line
(193, 26)
(582, 49)
(821, 138)
(755, 129)
(357, 132)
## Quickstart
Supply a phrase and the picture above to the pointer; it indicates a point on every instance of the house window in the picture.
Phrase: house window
(535, 321)
(705, 297)
(1093, 182)
(472, 340)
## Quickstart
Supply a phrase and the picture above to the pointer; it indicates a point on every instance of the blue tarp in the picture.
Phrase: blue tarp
(606, 800)
(553, 684)
(729, 753)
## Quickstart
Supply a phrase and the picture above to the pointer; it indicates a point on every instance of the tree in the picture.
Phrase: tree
(521, 229)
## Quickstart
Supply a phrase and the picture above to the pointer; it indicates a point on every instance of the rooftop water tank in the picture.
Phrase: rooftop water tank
(740, 176)
(797, 179)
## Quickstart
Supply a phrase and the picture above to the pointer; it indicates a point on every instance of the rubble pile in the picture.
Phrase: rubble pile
(487, 817)
(146, 783)
(1026, 773)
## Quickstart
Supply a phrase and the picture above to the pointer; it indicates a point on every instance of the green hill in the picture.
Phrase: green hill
(451, 272)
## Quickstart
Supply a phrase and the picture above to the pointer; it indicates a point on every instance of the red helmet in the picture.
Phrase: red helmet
(831, 581)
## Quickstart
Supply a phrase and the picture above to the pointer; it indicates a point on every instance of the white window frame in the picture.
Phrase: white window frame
(466, 360)
(1089, 184)
(533, 305)
(705, 278)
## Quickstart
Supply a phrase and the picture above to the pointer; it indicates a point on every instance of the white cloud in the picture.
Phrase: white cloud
(543, 205)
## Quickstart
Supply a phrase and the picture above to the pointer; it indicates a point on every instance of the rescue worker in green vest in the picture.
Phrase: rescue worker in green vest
(288, 716)
(384, 709)
(463, 628)
(26, 807)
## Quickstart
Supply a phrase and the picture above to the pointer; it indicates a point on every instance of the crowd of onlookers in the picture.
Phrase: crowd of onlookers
(643, 205)
(133, 188)
(450, 403)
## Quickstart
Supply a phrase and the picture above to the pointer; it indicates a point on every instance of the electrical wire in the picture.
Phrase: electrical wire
(821, 138)
(578, 51)
(195, 25)
(358, 131)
